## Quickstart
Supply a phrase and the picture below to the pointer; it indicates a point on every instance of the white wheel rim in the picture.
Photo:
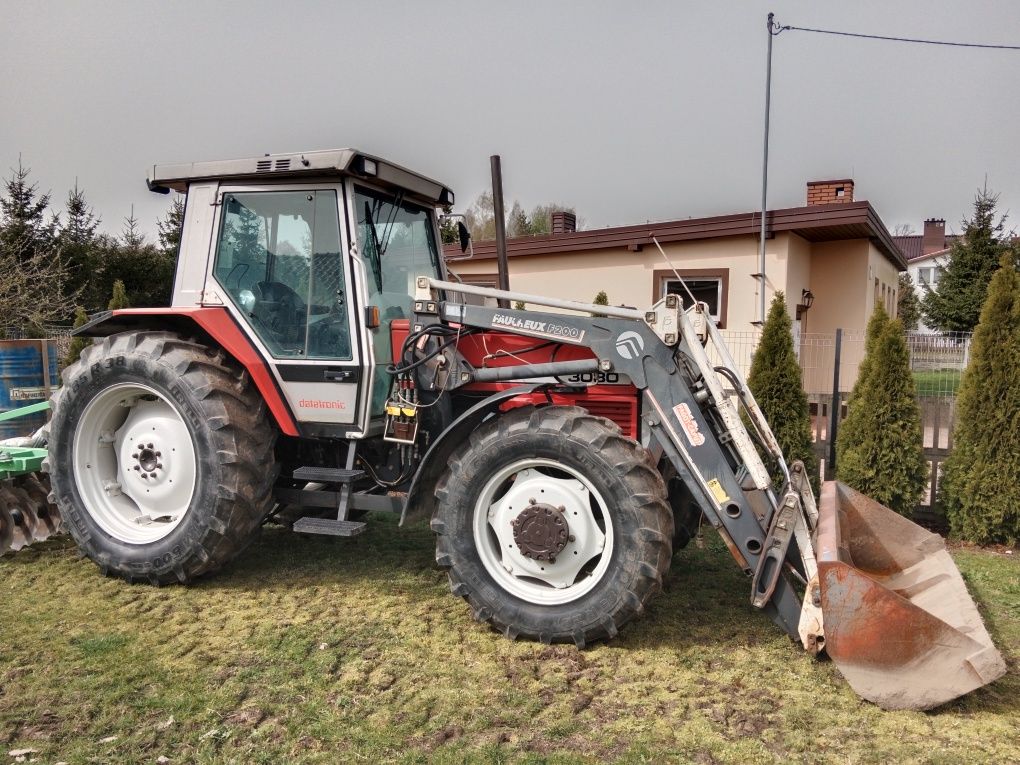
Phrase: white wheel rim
(585, 558)
(134, 463)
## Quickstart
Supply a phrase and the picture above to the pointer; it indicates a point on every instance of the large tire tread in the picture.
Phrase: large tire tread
(632, 463)
(243, 439)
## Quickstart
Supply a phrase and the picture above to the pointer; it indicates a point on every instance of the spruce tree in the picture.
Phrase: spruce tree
(979, 488)
(78, 343)
(955, 305)
(171, 225)
(908, 307)
(119, 299)
(775, 381)
(77, 241)
(23, 224)
(879, 447)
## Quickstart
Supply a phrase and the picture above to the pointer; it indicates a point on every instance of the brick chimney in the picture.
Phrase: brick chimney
(564, 222)
(934, 236)
(830, 192)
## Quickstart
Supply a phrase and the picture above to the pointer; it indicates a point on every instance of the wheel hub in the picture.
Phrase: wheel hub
(541, 531)
(148, 460)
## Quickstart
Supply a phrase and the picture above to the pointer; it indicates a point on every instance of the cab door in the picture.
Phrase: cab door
(280, 261)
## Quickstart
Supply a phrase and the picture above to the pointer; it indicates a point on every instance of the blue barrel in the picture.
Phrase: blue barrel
(21, 366)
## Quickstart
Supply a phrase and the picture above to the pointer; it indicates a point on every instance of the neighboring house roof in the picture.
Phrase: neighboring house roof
(815, 223)
(912, 246)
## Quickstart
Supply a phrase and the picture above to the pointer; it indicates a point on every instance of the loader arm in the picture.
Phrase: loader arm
(903, 629)
(686, 413)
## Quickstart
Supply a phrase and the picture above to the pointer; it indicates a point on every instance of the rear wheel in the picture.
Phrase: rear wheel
(552, 525)
(161, 457)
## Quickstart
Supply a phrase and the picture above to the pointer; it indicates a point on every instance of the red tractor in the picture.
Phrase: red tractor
(316, 365)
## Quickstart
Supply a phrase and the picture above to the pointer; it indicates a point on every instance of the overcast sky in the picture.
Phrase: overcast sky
(629, 111)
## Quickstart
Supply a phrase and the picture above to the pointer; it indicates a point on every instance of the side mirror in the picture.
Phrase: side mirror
(464, 236)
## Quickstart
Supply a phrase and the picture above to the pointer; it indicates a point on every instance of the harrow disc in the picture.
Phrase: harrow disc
(26, 515)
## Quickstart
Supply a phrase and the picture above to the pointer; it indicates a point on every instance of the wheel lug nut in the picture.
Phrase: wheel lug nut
(145, 475)
(134, 456)
(531, 501)
(137, 468)
(148, 446)
(159, 454)
(570, 538)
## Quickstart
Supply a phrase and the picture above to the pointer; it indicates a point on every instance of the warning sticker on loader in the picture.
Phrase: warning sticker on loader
(718, 491)
(689, 424)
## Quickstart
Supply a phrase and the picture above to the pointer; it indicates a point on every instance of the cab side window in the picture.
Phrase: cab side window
(279, 259)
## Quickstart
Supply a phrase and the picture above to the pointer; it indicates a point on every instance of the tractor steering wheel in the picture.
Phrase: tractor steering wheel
(281, 311)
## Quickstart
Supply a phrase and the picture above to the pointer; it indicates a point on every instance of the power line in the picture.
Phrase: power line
(776, 29)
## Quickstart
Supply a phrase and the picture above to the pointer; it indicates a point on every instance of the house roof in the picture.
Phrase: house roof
(912, 245)
(815, 223)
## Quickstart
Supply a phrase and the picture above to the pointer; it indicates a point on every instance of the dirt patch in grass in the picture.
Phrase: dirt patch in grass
(354, 650)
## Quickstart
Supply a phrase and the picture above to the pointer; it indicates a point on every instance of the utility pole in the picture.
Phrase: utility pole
(772, 29)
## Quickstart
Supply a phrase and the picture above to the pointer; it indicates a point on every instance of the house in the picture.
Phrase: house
(833, 258)
(926, 256)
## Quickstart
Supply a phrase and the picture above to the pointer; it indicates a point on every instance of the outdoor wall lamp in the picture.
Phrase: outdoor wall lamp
(807, 299)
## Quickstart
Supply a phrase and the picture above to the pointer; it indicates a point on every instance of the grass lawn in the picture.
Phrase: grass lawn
(937, 382)
(321, 650)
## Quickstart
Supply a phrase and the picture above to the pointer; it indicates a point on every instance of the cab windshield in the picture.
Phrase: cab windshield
(397, 240)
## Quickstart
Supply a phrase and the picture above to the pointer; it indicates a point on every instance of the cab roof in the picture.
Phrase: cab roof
(299, 165)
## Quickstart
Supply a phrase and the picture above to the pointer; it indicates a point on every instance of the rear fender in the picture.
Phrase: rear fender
(213, 326)
(421, 499)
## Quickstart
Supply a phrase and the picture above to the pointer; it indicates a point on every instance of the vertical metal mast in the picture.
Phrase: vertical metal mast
(765, 169)
(503, 268)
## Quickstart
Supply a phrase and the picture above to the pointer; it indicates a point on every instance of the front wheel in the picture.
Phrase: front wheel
(552, 525)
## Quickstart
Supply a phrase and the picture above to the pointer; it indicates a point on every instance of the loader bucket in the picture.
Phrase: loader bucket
(899, 623)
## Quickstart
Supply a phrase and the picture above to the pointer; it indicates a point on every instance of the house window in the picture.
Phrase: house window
(479, 280)
(709, 286)
(929, 275)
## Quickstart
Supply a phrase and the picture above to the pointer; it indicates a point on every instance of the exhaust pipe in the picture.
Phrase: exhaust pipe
(899, 622)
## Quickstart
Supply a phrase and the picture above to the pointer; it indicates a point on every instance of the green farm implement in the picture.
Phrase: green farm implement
(26, 515)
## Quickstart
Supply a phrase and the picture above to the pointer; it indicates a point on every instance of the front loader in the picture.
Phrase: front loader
(318, 364)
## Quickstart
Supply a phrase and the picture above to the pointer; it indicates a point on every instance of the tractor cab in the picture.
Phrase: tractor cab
(313, 255)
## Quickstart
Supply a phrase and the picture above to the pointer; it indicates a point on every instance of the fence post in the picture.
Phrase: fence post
(834, 407)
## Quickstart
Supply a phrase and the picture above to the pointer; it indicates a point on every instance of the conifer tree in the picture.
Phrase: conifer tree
(119, 299)
(171, 225)
(131, 235)
(78, 343)
(23, 224)
(600, 299)
(908, 307)
(849, 436)
(879, 447)
(979, 488)
(955, 305)
(775, 381)
(77, 240)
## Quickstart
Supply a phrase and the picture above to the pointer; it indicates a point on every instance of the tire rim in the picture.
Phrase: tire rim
(134, 463)
(585, 555)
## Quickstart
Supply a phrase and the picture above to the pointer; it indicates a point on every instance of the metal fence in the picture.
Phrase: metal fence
(829, 366)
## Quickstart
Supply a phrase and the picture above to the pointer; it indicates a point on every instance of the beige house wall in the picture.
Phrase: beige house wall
(634, 278)
(798, 277)
(884, 282)
(839, 281)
